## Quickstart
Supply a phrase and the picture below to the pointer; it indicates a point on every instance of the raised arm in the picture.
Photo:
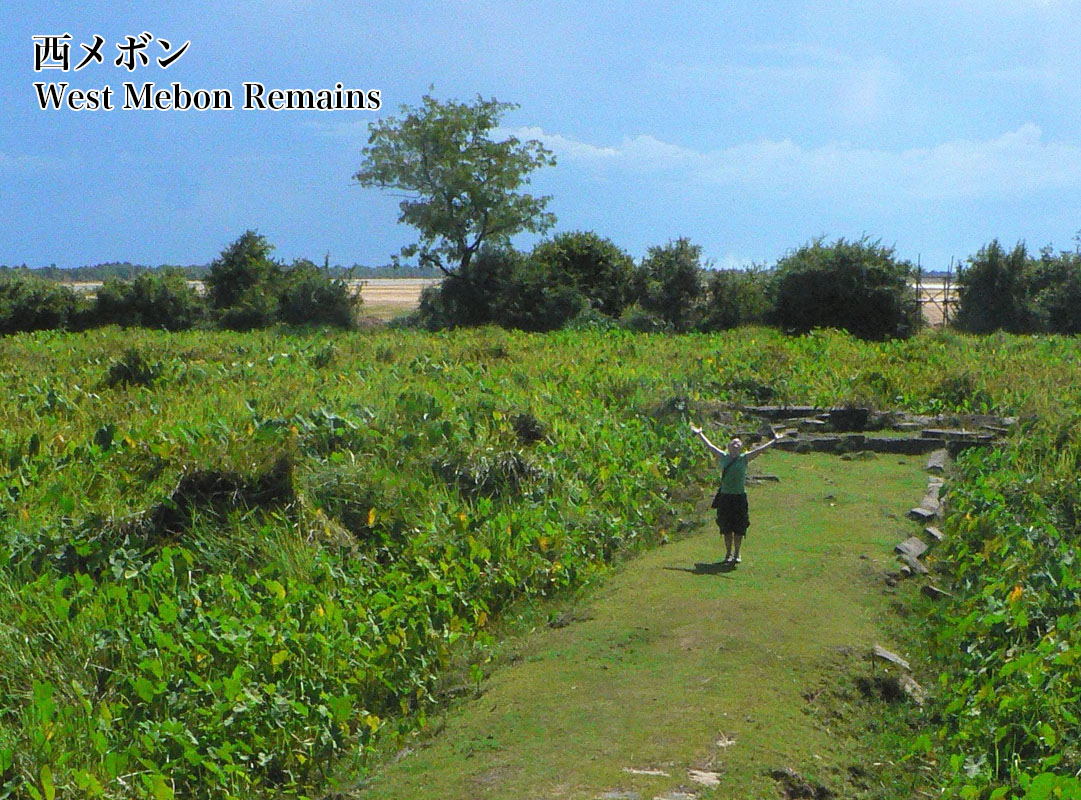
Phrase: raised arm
(710, 445)
(757, 451)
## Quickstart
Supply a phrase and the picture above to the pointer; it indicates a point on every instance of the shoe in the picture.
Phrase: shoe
(737, 560)
(728, 560)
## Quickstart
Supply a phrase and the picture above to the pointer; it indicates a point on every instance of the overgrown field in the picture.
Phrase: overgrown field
(228, 561)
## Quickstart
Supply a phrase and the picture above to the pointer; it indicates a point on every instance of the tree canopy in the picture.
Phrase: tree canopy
(461, 187)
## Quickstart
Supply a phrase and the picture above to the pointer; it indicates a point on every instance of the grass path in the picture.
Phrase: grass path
(668, 667)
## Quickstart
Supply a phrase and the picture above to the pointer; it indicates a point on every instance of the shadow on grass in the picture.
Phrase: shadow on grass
(715, 568)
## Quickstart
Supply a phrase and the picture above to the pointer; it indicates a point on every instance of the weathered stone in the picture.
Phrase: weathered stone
(913, 563)
(781, 412)
(819, 444)
(849, 419)
(900, 446)
(619, 794)
(704, 777)
(795, 785)
(921, 514)
(930, 502)
(913, 545)
(958, 446)
(912, 689)
(934, 533)
(763, 479)
(810, 423)
(660, 773)
(934, 592)
(878, 651)
(936, 462)
(954, 433)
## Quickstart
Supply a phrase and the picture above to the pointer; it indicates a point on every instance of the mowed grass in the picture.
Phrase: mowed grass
(672, 665)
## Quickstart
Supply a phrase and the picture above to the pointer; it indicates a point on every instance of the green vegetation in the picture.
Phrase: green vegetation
(860, 287)
(580, 277)
(151, 300)
(671, 283)
(995, 293)
(247, 289)
(735, 297)
(231, 562)
(1020, 294)
(462, 186)
(30, 303)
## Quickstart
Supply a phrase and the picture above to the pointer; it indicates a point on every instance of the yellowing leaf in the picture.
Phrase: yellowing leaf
(276, 589)
(1015, 595)
(278, 658)
(47, 782)
(162, 790)
(371, 517)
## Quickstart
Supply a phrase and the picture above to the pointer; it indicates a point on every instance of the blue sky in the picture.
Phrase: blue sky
(749, 127)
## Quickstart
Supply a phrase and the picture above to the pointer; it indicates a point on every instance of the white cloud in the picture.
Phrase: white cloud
(1016, 163)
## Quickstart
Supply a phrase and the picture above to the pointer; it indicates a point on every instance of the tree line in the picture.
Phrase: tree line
(125, 270)
(246, 288)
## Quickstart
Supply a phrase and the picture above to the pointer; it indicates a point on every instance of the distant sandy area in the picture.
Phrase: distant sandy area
(402, 295)
(404, 292)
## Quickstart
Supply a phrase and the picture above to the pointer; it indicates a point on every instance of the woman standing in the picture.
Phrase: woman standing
(731, 499)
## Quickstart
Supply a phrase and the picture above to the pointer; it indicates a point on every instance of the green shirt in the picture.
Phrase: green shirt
(732, 480)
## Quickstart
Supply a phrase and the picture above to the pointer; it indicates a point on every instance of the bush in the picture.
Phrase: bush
(995, 292)
(859, 287)
(256, 308)
(242, 266)
(640, 320)
(30, 303)
(153, 300)
(133, 370)
(311, 296)
(533, 301)
(590, 319)
(735, 297)
(670, 283)
(590, 264)
(474, 294)
(1056, 292)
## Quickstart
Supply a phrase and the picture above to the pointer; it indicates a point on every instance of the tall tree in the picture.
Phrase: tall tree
(461, 186)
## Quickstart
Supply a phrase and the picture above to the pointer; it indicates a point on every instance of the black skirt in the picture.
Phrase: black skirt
(732, 514)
